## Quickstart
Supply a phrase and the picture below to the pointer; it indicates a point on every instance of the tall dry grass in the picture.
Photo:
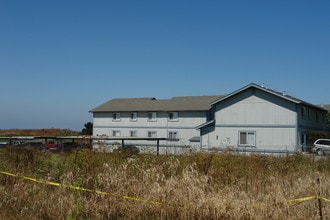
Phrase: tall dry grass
(197, 186)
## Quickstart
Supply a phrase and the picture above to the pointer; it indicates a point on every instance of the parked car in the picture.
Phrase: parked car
(3, 144)
(321, 146)
(69, 146)
(37, 145)
(129, 149)
(52, 146)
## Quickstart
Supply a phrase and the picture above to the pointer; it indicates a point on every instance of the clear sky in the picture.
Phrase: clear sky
(60, 59)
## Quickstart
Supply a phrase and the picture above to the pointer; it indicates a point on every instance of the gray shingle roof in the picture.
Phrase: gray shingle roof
(327, 107)
(186, 103)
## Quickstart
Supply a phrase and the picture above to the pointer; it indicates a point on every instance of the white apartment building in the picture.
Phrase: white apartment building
(175, 119)
(253, 118)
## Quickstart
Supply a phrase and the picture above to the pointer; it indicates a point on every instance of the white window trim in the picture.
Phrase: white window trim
(175, 118)
(173, 138)
(150, 132)
(152, 118)
(134, 119)
(247, 136)
(115, 132)
(116, 116)
(133, 132)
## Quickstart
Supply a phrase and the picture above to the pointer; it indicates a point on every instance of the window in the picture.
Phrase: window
(305, 112)
(322, 142)
(173, 116)
(173, 135)
(308, 113)
(152, 116)
(247, 138)
(133, 133)
(152, 134)
(134, 116)
(317, 117)
(115, 133)
(116, 117)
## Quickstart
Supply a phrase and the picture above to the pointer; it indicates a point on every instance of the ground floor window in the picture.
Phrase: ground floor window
(115, 133)
(133, 133)
(173, 135)
(152, 134)
(247, 138)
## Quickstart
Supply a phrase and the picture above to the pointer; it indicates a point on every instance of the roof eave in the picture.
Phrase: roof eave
(204, 124)
(257, 87)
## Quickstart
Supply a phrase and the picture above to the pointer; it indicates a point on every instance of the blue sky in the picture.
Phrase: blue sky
(59, 59)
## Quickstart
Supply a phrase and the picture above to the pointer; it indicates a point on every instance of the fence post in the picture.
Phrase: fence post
(319, 199)
(157, 147)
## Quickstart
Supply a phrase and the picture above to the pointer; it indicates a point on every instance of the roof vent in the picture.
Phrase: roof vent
(264, 86)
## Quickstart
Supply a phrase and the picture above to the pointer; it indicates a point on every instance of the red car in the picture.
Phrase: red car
(52, 146)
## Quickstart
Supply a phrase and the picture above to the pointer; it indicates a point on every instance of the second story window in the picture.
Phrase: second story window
(152, 116)
(134, 116)
(116, 117)
(305, 112)
(173, 116)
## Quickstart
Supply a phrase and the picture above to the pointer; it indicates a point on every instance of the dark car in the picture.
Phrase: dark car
(3, 144)
(129, 149)
(36, 145)
(69, 146)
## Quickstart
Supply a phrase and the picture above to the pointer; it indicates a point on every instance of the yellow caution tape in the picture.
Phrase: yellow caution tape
(129, 197)
(307, 198)
(302, 199)
(81, 189)
(324, 199)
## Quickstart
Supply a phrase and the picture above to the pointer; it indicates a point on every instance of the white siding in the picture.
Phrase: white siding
(256, 110)
(268, 139)
(185, 125)
(273, 121)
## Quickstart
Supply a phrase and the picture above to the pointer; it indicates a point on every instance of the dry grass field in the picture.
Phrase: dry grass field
(196, 186)
(35, 132)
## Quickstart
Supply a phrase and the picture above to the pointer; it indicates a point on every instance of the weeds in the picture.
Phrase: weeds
(197, 186)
